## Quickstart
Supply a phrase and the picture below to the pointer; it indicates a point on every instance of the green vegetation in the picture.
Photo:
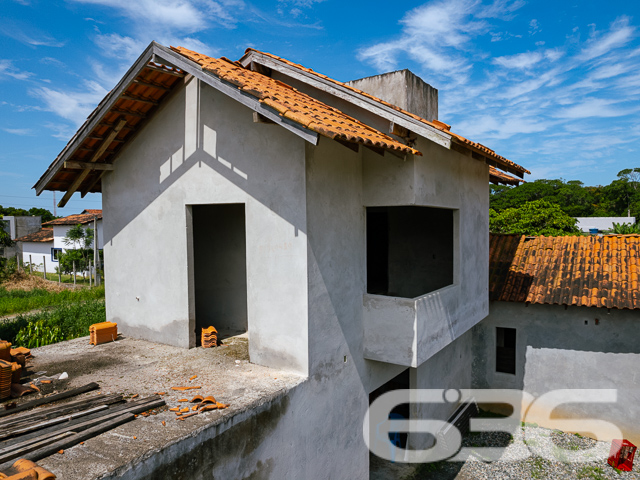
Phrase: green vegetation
(538, 217)
(21, 212)
(625, 228)
(17, 301)
(64, 322)
(620, 198)
(589, 471)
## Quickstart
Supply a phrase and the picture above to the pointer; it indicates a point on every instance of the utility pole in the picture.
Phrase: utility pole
(96, 256)
(54, 204)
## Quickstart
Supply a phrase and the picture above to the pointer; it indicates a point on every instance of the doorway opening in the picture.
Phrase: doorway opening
(220, 269)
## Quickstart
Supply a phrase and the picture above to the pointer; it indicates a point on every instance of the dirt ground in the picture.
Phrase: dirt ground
(23, 281)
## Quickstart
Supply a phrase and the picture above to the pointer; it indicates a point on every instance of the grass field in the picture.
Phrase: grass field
(17, 301)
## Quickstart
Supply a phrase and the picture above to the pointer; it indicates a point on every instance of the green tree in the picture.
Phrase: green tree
(538, 217)
(5, 237)
(45, 214)
(80, 240)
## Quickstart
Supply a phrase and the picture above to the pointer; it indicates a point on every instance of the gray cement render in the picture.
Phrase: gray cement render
(580, 347)
(403, 89)
(306, 266)
(602, 223)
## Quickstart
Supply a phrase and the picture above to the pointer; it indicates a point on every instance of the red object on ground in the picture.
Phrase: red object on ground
(621, 455)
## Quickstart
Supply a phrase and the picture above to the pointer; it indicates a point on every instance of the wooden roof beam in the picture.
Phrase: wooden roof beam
(88, 166)
(139, 99)
(151, 85)
(96, 156)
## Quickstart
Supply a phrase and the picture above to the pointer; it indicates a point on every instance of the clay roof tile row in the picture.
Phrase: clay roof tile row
(295, 105)
(44, 235)
(593, 271)
(80, 218)
(434, 123)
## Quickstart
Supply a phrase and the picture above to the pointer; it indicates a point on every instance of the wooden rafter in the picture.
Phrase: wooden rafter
(151, 85)
(88, 166)
(96, 156)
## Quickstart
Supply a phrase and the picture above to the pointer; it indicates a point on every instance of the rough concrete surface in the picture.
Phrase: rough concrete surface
(131, 366)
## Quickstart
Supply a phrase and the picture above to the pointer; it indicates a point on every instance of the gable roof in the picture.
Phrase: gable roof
(295, 105)
(80, 218)
(44, 235)
(500, 161)
(591, 271)
(158, 72)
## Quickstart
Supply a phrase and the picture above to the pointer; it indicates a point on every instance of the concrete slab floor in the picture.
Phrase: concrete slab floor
(130, 366)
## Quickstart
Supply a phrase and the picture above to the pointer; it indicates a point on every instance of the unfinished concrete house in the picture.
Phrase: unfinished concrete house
(564, 314)
(342, 227)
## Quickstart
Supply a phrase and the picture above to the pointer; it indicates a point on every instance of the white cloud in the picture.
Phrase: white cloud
(74, 106)
(519, 61)
(8, 70)
(119, 46)
(28, 35)
(188, 16)
(619, 35)
(18, 131)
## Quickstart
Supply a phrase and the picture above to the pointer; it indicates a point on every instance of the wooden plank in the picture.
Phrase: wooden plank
(122, 111)
(77, 438)
(259, 118)
(131, 407)
(350, 145)
(54, 421)
(399, 130)
(97, 118)
(119, 140)
(56, 411)
(17, 450)
(80, 178)
(162, 70)
(151, 85)
(50, 399)
(88, 166)
(139, 99)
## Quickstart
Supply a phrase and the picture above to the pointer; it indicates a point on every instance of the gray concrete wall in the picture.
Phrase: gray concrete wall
(580, 347)
(203, 148)
(449, 368)
(403, 89)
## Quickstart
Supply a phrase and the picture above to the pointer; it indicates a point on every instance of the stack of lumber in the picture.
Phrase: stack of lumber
(34, 434)
(209, 337)
(103, 332)
(5, 379)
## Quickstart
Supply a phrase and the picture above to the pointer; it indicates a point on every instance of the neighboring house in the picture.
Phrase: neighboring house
(602, 224)
(18, 226)
(564, 313)
(347, 236)
(43, 248)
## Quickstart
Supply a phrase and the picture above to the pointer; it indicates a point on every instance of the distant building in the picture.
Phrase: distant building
(563, 314)
(43, 247)
(585, 224)
(16, 227)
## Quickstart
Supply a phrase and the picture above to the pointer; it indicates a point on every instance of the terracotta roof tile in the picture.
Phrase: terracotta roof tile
(81, 218)
(593, 271)
(295, 105)
(496, 176)
(44, 235)
(435, 123)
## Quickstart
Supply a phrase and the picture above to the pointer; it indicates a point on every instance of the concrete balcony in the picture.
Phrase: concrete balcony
(408, 331)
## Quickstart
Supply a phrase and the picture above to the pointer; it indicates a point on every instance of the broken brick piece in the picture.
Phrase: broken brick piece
(181, 389)
(193, 378)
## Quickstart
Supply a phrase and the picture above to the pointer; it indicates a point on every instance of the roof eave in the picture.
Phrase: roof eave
(422, 129)
(160, 54)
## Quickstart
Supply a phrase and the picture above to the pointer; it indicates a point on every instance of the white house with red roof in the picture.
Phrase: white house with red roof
(42, 248)
(345, 235)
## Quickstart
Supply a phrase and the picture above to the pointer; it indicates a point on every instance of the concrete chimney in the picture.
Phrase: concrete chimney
(403, 89)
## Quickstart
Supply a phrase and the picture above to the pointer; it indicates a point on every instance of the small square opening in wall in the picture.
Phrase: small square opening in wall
(410, 250)
(506, 350)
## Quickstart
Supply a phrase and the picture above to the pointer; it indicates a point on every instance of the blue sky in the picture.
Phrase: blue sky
(551, 85)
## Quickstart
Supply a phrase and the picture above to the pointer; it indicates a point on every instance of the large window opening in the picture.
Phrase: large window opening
(409, 250)
(220, 266)
(506, 350)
